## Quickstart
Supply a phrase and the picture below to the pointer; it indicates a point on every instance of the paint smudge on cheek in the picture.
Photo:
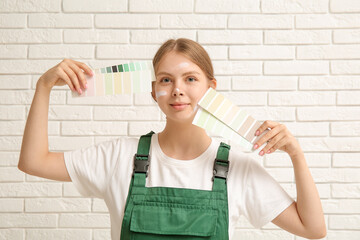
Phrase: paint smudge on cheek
(160, 93)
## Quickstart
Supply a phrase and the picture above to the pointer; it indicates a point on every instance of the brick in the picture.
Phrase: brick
(345, 67)
(345, 129)
(348, 98)
(302, 98)
(327, 21)
(229, 37)
(12, 112)
(137, 129)
(116, 100)
(347, 36)
(329, 83)
(30, 189)
(294, 6)
(10, 143)
(102, 234)
(250, 234)
(14, 81)
(61, 51)
(13, 51)
(9, 159)
(13, 234)
(99, 206)
(349, 235)
(156, 36)
(343, 206)
(280, 159)
(69, 190)
(217, 52)
(30, 36)
(343, 222)
(57, 205)
(296, 67)
(227, 6)
(94, 6)
(328, 52)
(297, 37)
(344, 6)
(30, 6)
(127, 21)
(281, 175)
(256, 21)
(346, 159)
(144, 99)
(11, 174)
(137, 113)
(12, 21)
(10, 220)
(191, 21)
(16, 97)
(93, 128)
(27, 66)
(161, 6)
(79, 234)
(328, 145)
(60, 21)
(84, 220)
(335, 175)
(261, 52)
(348, 190)
(250, 98)
(11, 205)
(328, 113)
(69, 113)
(125, 51)
(95, 36)
(261, 83)
(237, 67)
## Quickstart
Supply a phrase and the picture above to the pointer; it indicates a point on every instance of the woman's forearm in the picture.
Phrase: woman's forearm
(308, 200)
(35, 145)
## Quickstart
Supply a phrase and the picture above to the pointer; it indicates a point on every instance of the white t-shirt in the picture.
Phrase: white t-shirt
(104, 171)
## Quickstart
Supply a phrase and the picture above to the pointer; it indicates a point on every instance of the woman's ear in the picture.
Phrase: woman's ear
(213, 83)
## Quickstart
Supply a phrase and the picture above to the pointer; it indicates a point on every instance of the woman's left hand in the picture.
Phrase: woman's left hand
(278, 137)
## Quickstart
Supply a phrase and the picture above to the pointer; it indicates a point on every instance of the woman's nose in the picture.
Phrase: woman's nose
(177, 92)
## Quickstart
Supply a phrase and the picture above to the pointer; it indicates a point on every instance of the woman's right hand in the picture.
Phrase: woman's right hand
(68, 72)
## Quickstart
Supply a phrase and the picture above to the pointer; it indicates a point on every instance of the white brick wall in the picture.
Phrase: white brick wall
(292, 61)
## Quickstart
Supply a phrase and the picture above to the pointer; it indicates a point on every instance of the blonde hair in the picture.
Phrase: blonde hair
(190, 49)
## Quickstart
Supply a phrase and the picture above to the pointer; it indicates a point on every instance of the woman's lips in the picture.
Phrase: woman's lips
(179, 106)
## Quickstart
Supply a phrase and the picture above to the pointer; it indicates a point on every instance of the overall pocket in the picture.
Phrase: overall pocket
(158, 221)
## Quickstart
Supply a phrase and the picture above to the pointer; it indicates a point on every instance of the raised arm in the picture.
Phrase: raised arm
(35, 158)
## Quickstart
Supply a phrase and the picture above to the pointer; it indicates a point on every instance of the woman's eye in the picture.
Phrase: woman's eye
(164, 80)
(193, 79)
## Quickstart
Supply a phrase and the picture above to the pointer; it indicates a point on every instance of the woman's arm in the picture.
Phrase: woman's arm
(35, 158)
(304, 217)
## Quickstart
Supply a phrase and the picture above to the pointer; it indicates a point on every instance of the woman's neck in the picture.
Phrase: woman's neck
(183, 140)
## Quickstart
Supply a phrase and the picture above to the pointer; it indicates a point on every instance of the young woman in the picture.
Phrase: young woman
(179, 195)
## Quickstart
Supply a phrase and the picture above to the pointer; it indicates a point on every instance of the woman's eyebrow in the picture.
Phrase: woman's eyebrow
(186, 73)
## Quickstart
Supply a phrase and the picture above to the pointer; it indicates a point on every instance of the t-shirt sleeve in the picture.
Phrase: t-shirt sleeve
(90, 167)
(264, 198)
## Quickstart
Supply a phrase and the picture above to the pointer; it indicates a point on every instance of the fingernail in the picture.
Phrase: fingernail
(86, 86)
(268, 151)
(261, 153)
(256, 146)
(257, 132)
(80, 91)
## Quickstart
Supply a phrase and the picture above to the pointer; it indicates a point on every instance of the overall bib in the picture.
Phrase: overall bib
(158, 213)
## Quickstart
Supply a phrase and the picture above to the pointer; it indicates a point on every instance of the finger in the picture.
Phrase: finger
(266, 125)
(270, 134)
(80, 74)
(271, 143)
(84, 67)
(73, 77)
(278, 145)
(65, 77)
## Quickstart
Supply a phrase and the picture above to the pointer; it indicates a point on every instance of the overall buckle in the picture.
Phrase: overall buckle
(141, 166)
(220, 170)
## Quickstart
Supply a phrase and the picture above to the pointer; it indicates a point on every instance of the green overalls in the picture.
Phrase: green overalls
(157, 213)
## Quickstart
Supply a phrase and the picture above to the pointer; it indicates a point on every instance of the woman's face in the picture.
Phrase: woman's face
(179, 86)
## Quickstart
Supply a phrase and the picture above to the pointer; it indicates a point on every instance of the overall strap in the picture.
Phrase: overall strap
(221, 168)
(142, 159)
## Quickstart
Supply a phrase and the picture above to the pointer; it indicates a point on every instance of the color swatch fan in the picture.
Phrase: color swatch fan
(220, 116)
(127, 78)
